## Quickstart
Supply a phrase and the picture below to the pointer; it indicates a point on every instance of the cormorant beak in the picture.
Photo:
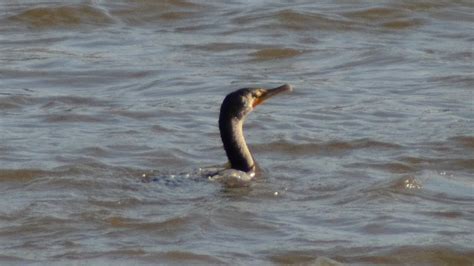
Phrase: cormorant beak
(268, 93)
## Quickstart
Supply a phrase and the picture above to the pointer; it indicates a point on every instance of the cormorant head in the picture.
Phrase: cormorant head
(240, 103)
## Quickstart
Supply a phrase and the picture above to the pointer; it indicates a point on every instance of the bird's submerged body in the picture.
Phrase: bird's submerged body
(234, 109)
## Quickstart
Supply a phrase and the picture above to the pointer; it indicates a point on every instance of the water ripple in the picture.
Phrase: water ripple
(64, 16)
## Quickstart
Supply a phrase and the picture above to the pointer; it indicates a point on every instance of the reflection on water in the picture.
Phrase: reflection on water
(108, 116)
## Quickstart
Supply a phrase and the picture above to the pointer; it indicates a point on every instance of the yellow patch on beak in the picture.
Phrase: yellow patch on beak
(257, 101)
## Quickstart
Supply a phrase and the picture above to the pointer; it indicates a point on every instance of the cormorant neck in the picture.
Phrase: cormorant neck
(235, 146)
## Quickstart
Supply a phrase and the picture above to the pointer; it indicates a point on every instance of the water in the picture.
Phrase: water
(368, 162)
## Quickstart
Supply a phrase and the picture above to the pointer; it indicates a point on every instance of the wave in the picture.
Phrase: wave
(323, 148)
(21, 101)
(62, 16)
(275, 53)
(289, 19)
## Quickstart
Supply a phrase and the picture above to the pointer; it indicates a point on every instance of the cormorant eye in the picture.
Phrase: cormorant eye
(256, 94)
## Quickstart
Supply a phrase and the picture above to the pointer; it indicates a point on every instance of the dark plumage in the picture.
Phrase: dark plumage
(234, 109)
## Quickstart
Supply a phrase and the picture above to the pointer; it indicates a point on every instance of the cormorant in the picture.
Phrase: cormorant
(234, 109)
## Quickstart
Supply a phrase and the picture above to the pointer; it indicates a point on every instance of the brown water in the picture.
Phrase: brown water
(369, 162)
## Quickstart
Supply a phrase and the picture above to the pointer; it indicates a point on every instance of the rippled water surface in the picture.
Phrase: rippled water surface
(108, 110)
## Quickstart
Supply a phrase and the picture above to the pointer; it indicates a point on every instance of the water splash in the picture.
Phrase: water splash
(232, 178)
